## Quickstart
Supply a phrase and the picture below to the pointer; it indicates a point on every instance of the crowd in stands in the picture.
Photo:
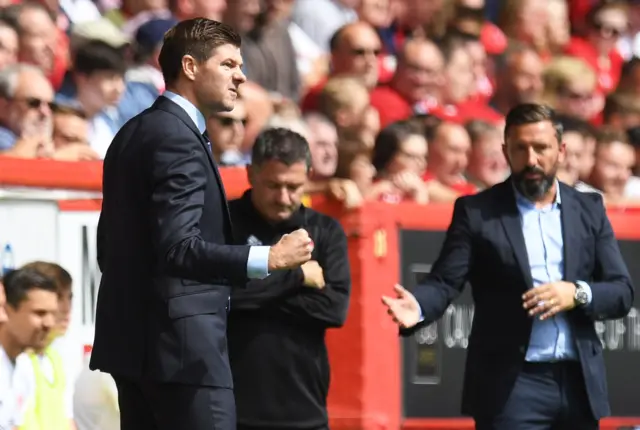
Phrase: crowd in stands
(400, 100)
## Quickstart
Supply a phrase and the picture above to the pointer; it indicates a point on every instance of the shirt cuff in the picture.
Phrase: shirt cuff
(258, 262)
(587, 289)
(421, 316)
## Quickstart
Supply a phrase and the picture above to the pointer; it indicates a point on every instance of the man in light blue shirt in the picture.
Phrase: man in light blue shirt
(544, 265)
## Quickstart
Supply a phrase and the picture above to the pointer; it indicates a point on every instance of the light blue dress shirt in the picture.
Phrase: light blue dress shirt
(551, 339)
(258, 261)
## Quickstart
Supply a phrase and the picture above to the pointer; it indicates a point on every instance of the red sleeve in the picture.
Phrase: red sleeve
(390, 106)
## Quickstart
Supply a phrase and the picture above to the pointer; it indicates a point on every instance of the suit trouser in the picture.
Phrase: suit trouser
(546, 396)
(148, 405)
(244, 427)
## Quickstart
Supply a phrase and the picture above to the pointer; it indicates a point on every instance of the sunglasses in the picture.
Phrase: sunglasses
(36, 103)
(608, 30)
(361, 52)
(226, 121)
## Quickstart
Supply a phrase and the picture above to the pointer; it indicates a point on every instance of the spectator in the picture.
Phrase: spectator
(188, 9)
(71, 134)
(354, 163)
(226, 132)
(575, 139)
(25, 111)
(621, 110)
(606, 23)
(148, 41)
(520, 78)
(320, 19)
(416, 85)
(38, 37)
(323, 146)
(354, 51)
(487, 163)
(611, 174)
(267, 49)
(98, 75)
(400, 158)
(449, 147)
(570, 88)
(345, 101)
(8, 43)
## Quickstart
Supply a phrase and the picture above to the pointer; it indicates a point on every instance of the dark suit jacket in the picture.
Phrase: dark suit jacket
(485, 246)
(162, 249)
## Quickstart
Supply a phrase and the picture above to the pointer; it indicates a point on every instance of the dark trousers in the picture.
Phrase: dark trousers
(244, 427)
(155, 406)
(546, 396)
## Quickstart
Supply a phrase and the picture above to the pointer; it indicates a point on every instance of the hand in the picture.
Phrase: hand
(25, 147)
(346, 191)
(75, 152)
(313, 275)
(292, 250)
(408, 182)
(549, 299)
(404, 309)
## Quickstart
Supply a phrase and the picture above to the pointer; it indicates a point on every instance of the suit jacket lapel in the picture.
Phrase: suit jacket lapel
(569, 215)
(512, 224)
(167, 105)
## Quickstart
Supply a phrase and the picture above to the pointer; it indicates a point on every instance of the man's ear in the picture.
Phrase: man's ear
(250, 174)
(189, 67)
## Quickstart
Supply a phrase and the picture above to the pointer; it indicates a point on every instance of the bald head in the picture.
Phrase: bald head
(420, 49)
(419, 75)
(448, 153)
(354, 50)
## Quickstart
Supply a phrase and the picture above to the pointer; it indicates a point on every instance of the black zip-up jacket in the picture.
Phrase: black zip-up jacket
(276, 327)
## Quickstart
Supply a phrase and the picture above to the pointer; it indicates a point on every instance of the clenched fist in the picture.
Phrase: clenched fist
(292, 250)
(313, 275)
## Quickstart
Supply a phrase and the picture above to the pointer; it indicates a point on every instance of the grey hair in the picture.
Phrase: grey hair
(9, 78)
(317, 117)
(295, 124)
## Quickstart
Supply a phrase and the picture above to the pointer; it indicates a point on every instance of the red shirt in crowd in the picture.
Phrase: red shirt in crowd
(463, 187)
(391, 106)
(608, 74)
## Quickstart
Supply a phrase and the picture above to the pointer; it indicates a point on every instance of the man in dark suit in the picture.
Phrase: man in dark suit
(544, 265)
(163, 245)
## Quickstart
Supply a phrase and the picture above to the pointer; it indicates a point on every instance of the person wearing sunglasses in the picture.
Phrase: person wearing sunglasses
(226, 131)
(606, 24)
(25, 111)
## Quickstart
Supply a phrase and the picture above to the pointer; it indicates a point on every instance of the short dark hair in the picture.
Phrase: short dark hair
(18, 283)
(280, 144)
(60, 276)
(196, 37)
(12, 13)
(573, 124)
(97, 56)
(531, 113)
(633, 135)
(390, 138)
(63, 108)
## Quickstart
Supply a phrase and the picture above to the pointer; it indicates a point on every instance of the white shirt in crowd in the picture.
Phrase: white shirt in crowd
(632, 189)
(12, 394)
(96, 402)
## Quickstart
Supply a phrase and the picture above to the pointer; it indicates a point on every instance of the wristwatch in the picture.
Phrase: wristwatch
(580, 297)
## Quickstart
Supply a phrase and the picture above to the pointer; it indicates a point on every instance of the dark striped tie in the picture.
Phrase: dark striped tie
(206, 138)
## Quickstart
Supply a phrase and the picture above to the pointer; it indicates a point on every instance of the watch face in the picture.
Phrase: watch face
(581, 297)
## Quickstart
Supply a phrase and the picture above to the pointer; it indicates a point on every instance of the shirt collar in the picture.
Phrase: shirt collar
(193, 112)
